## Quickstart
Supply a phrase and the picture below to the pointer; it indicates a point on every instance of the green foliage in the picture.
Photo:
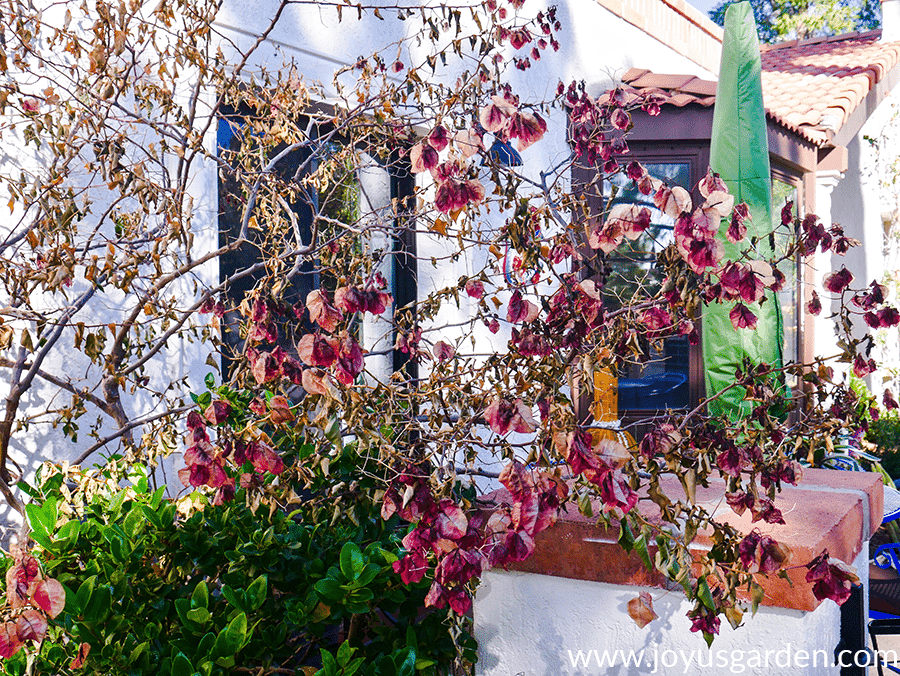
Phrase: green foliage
(184, 588)
(778, 20)
(884, 433)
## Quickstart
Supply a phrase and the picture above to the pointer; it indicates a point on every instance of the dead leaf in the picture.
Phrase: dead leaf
(640, 609)
(31, 626)
(83, 650)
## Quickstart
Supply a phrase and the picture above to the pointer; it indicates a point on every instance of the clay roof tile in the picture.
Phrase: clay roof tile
(700, 87)
(803, 80)
(661, 81)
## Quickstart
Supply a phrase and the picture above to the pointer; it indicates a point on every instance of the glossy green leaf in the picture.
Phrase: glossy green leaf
(138, 652)
(226, 662)
(232, 638)
(256, 592)
(369, 573)
(354, 666)
(344, 653)
(183, 608)
(406, 662)
(157, 497)
(352, 561)
(68, 534)
(198, 615)
(181, 666)
(100, 605)
(85, 591)
(329, 664)
(705, 594)
(330, 589)
(200, 596)
(233, 597)
(134, 523)
(640, 546)
(626, 537)
(40, 532)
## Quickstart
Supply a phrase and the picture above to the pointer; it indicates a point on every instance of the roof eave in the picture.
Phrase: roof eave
(862, 112)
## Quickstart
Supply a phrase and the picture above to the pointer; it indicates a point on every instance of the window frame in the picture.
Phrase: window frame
(403, 281)
(695, 152)
(696, 156)
(785, 174)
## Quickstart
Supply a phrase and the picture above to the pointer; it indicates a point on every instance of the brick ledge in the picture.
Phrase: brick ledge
(829, 509)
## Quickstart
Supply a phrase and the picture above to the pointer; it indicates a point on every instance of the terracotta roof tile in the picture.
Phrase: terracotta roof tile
(700, 87)
(680, 100)
(809, 86)
(662, 81)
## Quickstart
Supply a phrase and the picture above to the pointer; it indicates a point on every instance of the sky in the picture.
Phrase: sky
(704, 5)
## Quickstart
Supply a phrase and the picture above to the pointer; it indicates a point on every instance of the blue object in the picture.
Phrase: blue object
(891, 554)
(654, 393)
(503, 153)
(891, 505)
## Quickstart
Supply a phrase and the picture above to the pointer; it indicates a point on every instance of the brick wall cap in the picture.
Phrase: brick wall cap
(828, 510)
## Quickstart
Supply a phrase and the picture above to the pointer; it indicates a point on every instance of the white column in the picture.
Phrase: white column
(824, 337)
(890, 20)
(377, 216)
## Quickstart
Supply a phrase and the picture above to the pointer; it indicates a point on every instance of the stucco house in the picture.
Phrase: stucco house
(831, 138)
(825, 98)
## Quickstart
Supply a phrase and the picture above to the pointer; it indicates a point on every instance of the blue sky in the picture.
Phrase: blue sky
(704, 5)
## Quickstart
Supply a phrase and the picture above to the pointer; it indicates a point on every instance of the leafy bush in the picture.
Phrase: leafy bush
(155, 586)
(885, 434)
(111, 269)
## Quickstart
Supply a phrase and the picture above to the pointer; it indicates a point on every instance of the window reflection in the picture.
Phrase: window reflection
(782, 193)
(661, 382)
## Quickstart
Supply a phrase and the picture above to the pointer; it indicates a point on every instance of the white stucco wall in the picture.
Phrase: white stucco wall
(596, 47)
(859, 202)
(536, 625)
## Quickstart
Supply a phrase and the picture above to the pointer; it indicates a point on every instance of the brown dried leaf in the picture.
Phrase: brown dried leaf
(613, 452)
(31, 626)
(9, 640)
(640, 609)
(83, 650)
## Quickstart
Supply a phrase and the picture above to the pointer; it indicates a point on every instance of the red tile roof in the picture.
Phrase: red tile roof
(809, 86)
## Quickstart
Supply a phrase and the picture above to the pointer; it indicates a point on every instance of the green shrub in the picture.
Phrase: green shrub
(884, 433)
(155, 586)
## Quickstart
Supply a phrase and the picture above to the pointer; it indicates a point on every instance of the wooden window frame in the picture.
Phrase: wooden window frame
(695, 152)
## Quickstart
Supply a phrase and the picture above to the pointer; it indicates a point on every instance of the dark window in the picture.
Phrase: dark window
(673, 377)
(663, 382)
(243, 266)
(350, 195)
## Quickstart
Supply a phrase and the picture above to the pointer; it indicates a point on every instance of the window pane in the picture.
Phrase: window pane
(235, 135)
(782, 193)
(662, 382)
(632, 263)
